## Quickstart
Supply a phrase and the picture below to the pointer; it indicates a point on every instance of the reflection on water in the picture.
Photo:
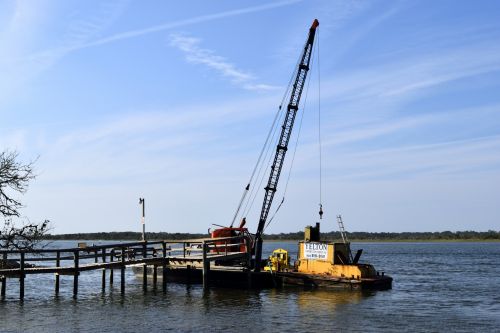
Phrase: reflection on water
(328, 299)
(437, 287)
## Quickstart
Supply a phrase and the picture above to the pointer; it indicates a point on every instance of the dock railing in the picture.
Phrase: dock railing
(110, 257)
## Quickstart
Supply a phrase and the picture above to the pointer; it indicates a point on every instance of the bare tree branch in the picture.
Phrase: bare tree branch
(15, 177)
(23, 237)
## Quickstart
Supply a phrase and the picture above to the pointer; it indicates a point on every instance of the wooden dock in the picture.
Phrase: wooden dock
(157, 255)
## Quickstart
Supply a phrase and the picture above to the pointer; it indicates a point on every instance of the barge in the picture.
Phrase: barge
(318, 263)
(327, 264)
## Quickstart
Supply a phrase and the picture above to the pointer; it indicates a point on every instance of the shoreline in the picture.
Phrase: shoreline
(296, 240)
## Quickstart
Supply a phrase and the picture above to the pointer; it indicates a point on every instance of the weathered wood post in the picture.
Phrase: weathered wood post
(21, 276)
(104, 270)
(248, 244)
(144, 267)
(206, 265)
(122, 271)
(76, 255)
(164, 266)
(188, 273)
(155, 270)
(111, 259)
(58, 264)
(4, 279)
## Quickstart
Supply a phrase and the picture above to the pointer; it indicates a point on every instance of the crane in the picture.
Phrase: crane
(286, 132)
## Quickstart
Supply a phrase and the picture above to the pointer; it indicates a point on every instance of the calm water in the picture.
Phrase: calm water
(437, 287)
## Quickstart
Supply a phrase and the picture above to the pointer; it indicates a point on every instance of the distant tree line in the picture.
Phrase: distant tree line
(333, 235)
(124, 235)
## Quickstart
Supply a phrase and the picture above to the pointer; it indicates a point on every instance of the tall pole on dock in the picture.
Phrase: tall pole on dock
(143, 219)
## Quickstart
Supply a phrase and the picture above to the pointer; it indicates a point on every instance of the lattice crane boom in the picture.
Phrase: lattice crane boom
(286, 132)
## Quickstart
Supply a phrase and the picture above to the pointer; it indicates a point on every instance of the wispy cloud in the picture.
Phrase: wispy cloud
(410, 147)
(116, 147)
(20, 63)
(198, 55)
(190, 21)
(404, 78)
(448, 159)
(22, 67)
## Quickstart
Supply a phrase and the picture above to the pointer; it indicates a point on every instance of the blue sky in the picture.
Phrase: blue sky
(172, 101)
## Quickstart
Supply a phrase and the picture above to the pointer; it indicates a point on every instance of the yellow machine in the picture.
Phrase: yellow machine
(330, 258)
(279, 261)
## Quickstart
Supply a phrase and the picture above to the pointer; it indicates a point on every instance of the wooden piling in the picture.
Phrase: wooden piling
(144, 268)
(206, 266)
(4, 279)
(248, 244)
(155, 276)
(145, 277)
(76, 273)
(4, 282)
(164, 275)
(111, 259)
(122, 271)
(21, 276)
(103, 270)
(188, 274)
(155, 270)
(164, 266)
(58, 264)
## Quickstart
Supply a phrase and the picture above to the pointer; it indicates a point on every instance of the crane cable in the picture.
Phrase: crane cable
(267, 147)
(270, 135)
(319, 135)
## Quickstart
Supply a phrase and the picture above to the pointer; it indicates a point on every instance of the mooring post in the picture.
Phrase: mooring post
(4, 279)
(77, 272)
(155, 276)
(111, 259)
(248, 244)
(164, 275)
(21, 276)
(144, 267)
(122, 271)
(104, 270)
(206, 266)
(58, 264)
(164, 266)
(155, 270)
(188, 273)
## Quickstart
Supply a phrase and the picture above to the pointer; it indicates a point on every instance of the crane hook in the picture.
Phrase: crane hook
(320, 211)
